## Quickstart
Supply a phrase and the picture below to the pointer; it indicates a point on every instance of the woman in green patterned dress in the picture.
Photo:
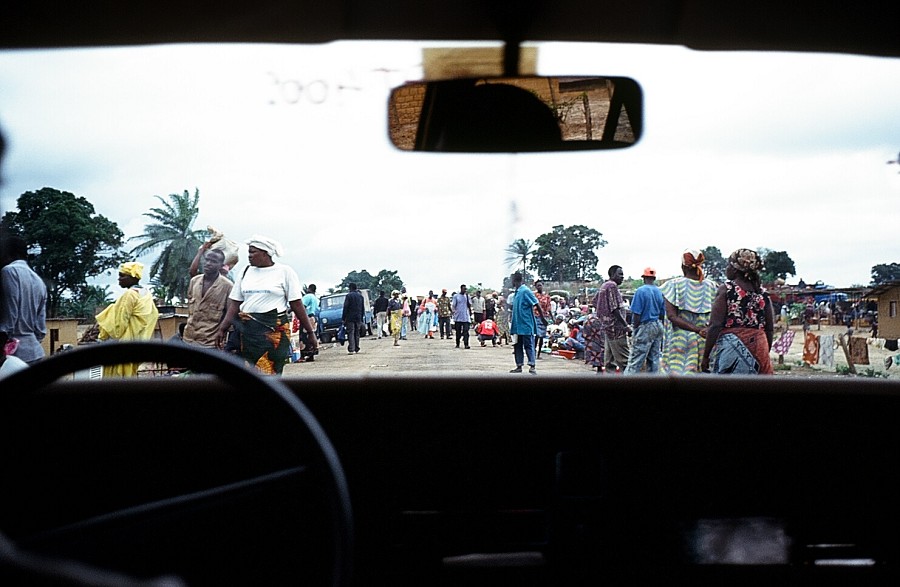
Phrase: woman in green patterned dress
(688, 306)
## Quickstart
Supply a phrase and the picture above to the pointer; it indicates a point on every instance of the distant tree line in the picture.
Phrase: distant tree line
(563, 254)
(385, 280)
(69, 242)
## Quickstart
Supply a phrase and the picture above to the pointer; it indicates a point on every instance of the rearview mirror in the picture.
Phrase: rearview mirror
(491, 115)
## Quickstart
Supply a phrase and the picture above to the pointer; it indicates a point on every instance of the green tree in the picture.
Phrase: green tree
(173, 230)
(526, 278)
(85, 302)
(74, 242)
(519, 251)
(778, 264)
(567, 254)
(885, 273)
(714, 264)
(385, 279)
(363, 280)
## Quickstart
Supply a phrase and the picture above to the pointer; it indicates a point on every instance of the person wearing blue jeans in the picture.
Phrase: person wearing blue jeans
(523, 324)
(648, 311)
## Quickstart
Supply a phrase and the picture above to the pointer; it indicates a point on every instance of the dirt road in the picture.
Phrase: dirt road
(418, 355)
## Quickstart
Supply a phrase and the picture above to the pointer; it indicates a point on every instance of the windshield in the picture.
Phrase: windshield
(771, 151)
(331, 302)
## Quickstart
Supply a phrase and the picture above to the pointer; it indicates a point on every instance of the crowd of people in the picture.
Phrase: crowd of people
(689, 324)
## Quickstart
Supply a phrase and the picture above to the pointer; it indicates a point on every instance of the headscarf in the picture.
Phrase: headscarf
(746, 261)
(264, 243)
(132, 268)
(694, 259)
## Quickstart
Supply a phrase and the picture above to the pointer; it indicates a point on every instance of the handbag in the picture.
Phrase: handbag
(341, 335)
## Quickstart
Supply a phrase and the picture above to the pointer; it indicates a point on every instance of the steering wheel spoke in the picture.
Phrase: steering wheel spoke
(298, 480)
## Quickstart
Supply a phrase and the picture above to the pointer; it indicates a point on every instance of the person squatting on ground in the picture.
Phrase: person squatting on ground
(462, 308)
(524, 325)
(23, 301)
(353, 317)
(610, 308)
(648, 312)
(575, 340)
(131, 317)
(258, 308)
(487, 330)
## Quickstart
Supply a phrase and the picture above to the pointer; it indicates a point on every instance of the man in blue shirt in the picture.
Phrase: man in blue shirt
(461, 306)
(523, 325)
(648, 310)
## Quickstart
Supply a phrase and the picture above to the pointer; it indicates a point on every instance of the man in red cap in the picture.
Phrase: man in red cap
(648, 310)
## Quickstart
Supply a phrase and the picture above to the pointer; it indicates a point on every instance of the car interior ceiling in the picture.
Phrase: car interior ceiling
(534, 483)
(804, 25)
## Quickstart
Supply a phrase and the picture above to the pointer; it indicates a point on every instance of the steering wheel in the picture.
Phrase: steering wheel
(235, 373)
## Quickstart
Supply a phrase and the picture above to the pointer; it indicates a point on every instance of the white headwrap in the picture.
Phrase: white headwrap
(266, 244)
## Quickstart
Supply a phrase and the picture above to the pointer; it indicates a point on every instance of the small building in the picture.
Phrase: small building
(168, 325)
(60, 331)
(888, 297)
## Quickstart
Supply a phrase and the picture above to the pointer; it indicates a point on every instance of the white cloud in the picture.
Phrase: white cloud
(291, 142)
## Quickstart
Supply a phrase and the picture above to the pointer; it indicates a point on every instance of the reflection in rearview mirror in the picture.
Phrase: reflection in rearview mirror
(491, 115)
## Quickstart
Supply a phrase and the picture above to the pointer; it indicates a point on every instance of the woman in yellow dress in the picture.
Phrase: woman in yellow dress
(132, 317)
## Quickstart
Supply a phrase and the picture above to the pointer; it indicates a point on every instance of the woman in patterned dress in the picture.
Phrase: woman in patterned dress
(594, 347)
(742, 320)
(688, 305)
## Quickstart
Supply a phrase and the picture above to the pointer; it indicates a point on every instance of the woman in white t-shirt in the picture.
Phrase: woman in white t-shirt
(258, 308)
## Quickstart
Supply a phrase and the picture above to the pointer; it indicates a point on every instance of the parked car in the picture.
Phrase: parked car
(330, 309)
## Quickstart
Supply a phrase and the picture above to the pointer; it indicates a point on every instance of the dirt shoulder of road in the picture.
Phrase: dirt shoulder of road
(420, 355)
(794, 365)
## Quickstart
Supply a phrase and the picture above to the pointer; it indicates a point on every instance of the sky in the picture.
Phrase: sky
(782, 151)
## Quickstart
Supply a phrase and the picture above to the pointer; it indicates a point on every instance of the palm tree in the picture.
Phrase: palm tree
(519, 251)
(173, 231)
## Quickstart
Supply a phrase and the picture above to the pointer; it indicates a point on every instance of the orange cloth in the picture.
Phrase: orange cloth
(811, 349)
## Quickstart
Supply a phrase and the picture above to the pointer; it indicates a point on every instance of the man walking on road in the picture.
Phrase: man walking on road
(478, 306)
(461, 307)
(353, 316)
(380, 308)
(444, 312)
(525, 309)
(648, 310)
